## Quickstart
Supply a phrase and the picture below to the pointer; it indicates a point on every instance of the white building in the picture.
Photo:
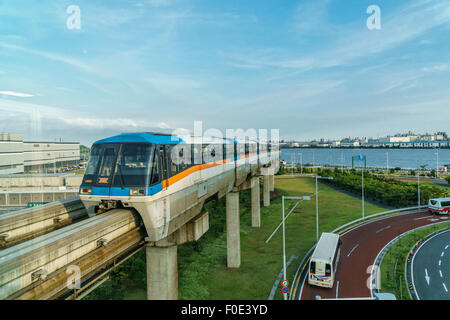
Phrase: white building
(18, 156)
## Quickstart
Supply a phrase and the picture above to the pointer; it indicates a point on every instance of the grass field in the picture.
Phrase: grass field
(205, 276)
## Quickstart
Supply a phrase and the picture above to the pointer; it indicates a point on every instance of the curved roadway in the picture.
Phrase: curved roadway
(360, 246)
(431, 268)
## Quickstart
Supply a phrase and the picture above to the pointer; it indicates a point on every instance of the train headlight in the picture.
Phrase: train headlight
(86, 191)
(137, 192)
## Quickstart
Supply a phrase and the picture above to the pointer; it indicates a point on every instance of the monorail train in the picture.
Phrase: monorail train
(166, 179)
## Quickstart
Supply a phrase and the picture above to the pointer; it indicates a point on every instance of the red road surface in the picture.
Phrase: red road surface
(359, 249)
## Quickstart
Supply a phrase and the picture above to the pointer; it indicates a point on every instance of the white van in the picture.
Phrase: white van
(439, 206)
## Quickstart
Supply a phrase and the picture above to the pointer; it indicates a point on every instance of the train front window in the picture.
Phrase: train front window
(134, 165)
(93, 159)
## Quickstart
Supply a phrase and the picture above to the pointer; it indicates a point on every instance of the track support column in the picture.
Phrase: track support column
(256, 212)
(233, 230)
(162, 273)
(266, 190)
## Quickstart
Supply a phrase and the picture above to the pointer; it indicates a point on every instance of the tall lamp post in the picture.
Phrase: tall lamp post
(418, 187)
(364, 160)
(437, 163)
(284, 235)
(301, 163)
(387, 163)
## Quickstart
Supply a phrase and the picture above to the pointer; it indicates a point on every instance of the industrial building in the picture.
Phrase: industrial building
(18, 156)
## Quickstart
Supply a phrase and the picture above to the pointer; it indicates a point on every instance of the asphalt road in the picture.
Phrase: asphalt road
(431, 268)
(359, 248)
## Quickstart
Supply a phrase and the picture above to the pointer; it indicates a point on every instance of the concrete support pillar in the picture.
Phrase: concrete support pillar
(162, 273)
(256, 216)
(233, 231)
(272, 182)
(266, 190)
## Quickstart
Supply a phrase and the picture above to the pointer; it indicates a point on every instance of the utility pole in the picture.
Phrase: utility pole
(418, 187)
(301, 163)
(362, 184)
(387, 163)
(437, 164)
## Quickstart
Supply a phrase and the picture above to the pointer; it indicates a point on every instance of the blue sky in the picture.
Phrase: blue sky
(311, 69)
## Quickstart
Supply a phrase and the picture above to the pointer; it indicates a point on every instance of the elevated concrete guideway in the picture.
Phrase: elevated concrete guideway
(17, 198)
(101, 240)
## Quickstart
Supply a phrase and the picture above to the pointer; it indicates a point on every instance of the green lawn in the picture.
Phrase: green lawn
(260, 262)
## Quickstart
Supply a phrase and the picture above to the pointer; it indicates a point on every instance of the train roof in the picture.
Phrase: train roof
(143, 137)
(160, 138)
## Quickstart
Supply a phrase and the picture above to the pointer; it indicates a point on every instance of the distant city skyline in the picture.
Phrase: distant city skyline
(86, 70)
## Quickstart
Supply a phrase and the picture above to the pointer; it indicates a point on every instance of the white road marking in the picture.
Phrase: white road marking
(348, 255)
(382, 229)
(445, 288)
(427, 217)
(427, 278)
(442, 254)
(446, 247)
(439, 263)
(440, 273)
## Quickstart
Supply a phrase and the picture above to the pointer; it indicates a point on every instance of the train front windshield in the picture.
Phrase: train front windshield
(121, 165)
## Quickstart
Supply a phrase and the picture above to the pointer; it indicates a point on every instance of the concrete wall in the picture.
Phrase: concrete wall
(37, 182)
(21, 198)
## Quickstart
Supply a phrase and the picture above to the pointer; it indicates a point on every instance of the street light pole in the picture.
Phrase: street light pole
(418, 187)
(387, 163)
(437, 164)
(284, 233)
(292, 163)
(301, 163)
(317, 213)
(362, 183)
(284, 250)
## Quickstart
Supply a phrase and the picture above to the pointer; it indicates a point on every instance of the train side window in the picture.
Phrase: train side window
(247, 149)
(224, 151)
(163, 163)
(155, 178)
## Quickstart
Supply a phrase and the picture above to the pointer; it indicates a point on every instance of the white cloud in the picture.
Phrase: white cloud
(439, 68)
(397, 28)
(48, 55)
(15, 94)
